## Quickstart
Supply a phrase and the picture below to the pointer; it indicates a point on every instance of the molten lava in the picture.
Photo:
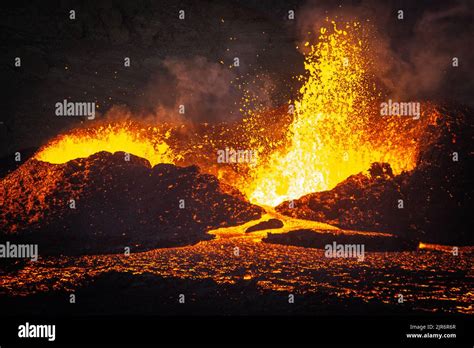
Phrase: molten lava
(147, 143)
(336, 131)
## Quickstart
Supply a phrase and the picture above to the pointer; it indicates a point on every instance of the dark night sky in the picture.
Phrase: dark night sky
(83, 59)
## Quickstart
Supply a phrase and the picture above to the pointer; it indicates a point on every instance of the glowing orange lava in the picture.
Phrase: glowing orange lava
(147, 143)
(336, 130)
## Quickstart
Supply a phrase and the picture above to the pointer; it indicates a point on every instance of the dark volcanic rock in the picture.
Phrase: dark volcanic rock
(118, 204)
(148, 294)
(265, 225)
(313, 239)
(437, 194)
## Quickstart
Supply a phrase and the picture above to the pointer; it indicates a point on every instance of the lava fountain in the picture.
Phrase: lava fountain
(337, 130)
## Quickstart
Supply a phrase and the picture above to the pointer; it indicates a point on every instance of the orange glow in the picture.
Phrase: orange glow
(437, 247)
(336, 130)
(145, 142)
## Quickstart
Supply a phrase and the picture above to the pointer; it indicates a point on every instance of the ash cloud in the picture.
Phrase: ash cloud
(413, 56)
(209, 91)
(203, 87)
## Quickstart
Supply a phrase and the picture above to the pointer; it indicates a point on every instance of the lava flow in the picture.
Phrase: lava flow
(335, 130)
